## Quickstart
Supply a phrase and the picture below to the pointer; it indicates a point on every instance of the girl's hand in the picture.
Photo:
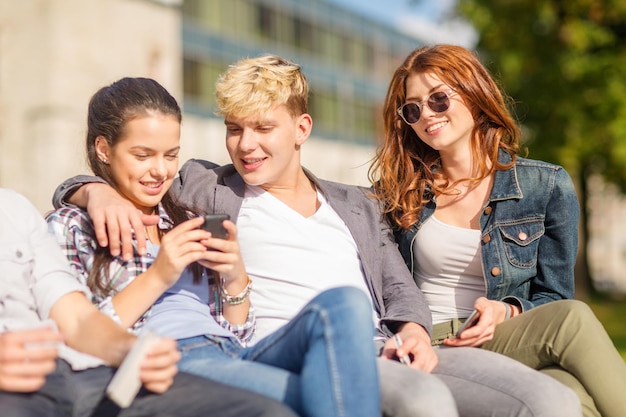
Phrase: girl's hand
(224, 257)
(491, 313)
(180, 247)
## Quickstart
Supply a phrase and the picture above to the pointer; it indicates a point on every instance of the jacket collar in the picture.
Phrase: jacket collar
(228, 192)
(505, 184)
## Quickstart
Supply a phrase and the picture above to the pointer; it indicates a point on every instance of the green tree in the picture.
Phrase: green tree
(564, 63)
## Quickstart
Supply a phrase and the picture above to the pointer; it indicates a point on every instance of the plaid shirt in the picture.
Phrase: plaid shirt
(74, 231)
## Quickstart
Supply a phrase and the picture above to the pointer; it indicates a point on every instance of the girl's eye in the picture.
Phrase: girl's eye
(172, 156)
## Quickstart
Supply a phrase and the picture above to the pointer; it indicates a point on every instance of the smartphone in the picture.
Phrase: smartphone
(213, 223)
(471, 320)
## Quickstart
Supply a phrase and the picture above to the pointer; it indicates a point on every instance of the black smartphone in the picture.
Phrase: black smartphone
(471, 320)
(213, 223)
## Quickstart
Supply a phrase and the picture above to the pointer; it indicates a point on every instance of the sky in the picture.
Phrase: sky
(426, 19)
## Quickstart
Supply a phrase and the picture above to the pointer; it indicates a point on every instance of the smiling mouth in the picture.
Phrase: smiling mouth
(152, 184)
(436, 126)
(252, 163)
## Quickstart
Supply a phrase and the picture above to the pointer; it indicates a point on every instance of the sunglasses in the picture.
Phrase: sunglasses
(437, 102)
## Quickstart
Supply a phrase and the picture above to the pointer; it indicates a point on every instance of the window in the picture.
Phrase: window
(265, 21)
(191, 77)
(304, 34)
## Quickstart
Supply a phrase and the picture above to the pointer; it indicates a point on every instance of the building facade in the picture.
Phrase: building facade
(348, 60)
(54, 54)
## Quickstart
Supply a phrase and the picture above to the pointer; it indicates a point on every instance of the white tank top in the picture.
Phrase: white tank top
(448, 268)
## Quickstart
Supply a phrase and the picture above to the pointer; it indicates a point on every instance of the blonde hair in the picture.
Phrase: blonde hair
(255, 85)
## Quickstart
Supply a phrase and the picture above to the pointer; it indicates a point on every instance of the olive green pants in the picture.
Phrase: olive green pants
(565, 340)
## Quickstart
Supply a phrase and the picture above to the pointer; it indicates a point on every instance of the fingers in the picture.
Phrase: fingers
(22, 383)
(114, 237)
(133, 221)
(99, 224)
(416, 344)
(423, 355)
(159, 366)
(481, 332)
(40, 334)
(114, 225)
(389, 350)
(26, 357)
(231, 229)
(188, 243)
(24, 377)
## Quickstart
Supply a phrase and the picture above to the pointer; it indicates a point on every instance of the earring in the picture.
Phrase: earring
(105, 161)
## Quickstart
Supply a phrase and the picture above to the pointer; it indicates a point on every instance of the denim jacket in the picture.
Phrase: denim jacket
(529, 234)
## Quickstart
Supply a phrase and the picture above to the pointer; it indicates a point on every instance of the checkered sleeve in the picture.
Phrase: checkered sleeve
(74, 233)
(244, 331)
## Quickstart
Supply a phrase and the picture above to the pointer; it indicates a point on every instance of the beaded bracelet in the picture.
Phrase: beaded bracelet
(239, 298)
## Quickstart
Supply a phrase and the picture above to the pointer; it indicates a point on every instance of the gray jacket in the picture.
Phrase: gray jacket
(205, 187)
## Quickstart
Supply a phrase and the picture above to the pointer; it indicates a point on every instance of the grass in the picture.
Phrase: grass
(612, 314)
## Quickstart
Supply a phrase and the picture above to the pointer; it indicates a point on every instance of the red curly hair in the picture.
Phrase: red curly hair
(403, 172)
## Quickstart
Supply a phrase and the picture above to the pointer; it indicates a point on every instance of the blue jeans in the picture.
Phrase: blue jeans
(67, 393)
(322, 363)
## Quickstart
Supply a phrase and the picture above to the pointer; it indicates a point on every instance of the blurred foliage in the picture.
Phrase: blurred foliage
(564, 62)
(611, 313)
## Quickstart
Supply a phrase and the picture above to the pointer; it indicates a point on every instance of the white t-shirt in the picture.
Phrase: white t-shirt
(448, 268)
(290, 258)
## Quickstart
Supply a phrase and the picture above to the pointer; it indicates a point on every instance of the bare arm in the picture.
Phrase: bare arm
(87, 330)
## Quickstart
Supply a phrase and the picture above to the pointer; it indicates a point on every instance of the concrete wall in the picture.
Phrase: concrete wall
(54, 54)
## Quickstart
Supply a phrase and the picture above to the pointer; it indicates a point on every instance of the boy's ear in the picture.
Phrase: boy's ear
(304, 124)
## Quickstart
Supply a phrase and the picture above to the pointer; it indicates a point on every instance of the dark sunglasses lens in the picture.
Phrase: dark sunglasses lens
(411, 112)
(439, 102)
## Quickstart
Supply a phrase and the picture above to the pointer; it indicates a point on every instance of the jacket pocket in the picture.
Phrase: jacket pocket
(521, 241)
